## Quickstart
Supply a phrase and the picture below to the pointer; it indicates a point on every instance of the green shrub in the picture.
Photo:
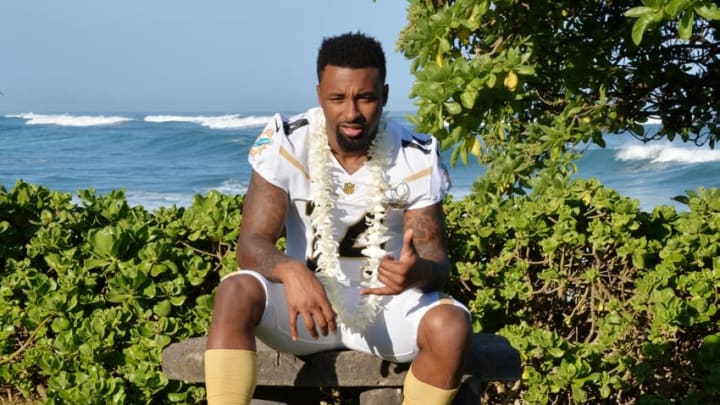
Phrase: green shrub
(605, 302)
(92, 292)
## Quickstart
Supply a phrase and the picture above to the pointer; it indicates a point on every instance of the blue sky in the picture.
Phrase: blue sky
(182, 56)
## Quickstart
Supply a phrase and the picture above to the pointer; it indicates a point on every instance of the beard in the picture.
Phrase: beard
(360, 143)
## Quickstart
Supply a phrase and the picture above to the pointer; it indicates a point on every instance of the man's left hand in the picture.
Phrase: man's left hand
(408, 271)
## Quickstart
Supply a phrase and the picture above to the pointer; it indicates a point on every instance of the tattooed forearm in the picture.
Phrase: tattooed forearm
(428, 227)
(261, 256)
(264, 211)
(430, 241)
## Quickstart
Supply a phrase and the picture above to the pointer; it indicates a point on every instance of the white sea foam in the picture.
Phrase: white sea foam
(667, 154)
(232, 187)
(67, 120)
(233, 121)
(153, 200)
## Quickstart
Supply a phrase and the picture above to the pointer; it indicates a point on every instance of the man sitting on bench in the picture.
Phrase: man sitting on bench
(360, 199)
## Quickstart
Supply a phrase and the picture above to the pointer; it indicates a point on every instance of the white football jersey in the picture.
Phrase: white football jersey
(417, 178)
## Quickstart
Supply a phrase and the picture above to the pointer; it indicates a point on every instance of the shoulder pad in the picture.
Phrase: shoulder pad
(291, 126)
(419, 142)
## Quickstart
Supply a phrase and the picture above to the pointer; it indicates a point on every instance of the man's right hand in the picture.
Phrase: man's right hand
(306, 296)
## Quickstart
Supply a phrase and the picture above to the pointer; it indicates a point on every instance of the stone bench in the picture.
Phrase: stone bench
(284, 378)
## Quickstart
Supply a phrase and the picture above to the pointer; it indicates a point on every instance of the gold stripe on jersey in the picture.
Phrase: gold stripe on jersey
(418, 175)
(290, 158)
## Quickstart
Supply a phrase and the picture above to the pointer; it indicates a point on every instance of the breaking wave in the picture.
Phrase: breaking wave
(667, 154)
(67, 120)
(233, 121)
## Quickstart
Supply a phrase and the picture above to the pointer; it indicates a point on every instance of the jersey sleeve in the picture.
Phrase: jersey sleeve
(418, 177)
(437, 184)
(264, 155)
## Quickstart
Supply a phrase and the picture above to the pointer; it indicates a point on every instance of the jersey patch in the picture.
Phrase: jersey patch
(262, 142)
(398, 196)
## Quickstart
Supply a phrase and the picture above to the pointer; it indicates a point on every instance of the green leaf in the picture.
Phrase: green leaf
(86, 350)
(638, 29)
(675, 7)
(491, 80)
(177, 300)
(444, 44)
(525, 70)
(639, 11)
(685, 25)
(162, 308)
(605, 391)
(158, 269)
(177, 396)
(453, 108)
(710, 349)
(556, 352)
(149, 291)
(579, 394)
(116, 297)
(60, 324)
(709, 10)
(50, 362)
(102, 241)
(464, 152)
(468, 97)
(638, 259)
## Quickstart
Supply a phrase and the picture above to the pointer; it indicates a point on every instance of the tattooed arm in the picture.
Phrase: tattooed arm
(423, 261)
(264, 211)
(430, 242)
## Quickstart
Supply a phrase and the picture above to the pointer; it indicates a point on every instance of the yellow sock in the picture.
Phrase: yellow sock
(416, 392)
(230, 376)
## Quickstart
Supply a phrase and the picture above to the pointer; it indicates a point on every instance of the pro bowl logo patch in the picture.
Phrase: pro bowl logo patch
(262, 142)
(397, 197)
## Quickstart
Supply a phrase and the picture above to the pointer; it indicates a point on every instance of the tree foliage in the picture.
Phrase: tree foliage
(563, 71)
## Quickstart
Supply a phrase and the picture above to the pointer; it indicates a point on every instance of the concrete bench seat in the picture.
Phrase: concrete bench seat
(284, 378)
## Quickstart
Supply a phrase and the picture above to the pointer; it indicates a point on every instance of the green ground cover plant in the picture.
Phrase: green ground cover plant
(91, 292)
(605, 302)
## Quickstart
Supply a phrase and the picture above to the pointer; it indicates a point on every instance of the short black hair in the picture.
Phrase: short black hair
(351, 50)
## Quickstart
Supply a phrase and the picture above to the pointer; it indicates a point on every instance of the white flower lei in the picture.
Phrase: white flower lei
(321, 188)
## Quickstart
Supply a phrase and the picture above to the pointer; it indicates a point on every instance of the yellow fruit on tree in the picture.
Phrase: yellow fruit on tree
(501, 133)
(511, 81)
(439, 57)
(475, 149)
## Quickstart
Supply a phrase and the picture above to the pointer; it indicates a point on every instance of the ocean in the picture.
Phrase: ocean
(161, 160)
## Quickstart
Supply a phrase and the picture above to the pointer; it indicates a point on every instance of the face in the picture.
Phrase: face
(352, 100)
